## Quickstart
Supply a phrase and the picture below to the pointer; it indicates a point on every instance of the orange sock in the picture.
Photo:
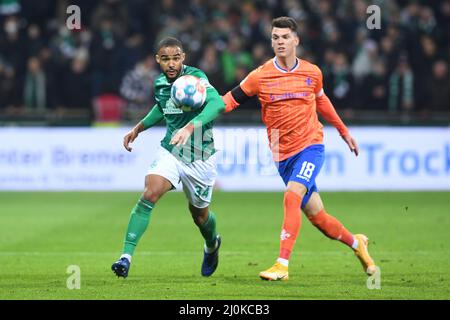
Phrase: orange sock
(331, 227)
(291, 224)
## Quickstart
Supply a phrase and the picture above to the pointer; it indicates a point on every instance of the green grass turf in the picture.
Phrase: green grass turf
(41, 234)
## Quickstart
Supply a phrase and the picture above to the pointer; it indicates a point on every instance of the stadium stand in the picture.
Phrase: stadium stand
(50, 75)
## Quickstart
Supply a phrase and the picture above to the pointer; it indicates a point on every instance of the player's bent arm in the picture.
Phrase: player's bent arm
(153, 117)
(234, 98)
(214, 106)
(328, 112)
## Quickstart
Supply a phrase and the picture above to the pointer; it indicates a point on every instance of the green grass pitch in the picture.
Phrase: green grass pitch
(41, 234)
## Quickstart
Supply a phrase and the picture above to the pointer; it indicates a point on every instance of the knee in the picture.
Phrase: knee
(151, 195)
(296, 188)
(318, 219)
(312, 212)
(199, 215)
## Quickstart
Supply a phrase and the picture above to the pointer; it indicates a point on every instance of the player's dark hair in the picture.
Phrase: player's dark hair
(170, 42)
(285, 22)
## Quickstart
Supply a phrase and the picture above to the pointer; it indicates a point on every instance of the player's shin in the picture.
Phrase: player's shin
(291, 225)
(208, 231)
(332, 228)
(139, 220)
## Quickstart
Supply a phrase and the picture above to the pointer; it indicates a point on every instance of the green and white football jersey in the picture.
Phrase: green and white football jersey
(201, 143)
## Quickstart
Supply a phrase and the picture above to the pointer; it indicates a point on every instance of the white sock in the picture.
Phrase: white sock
(284, 262)
(355, 243)
(125, 255)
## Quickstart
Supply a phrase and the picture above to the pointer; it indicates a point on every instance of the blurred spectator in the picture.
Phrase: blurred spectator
(389, 53)
(10, 89)
(132, 51)
(410, 15)
(339, 83)
(112, 10)
(373, 91)
(13, 45)
(443, 23)
(427, 21)
(138, 16)
(260, 54)
(254, 29)
(75, 95)
(362, 68)
(35, 95)
(34, 40)
(137, 88)
(439, 87)
(364, 60)
(232, 58)
(105, 58)
(209, 63)
(429, 53)
(401, 87)
(219, 31)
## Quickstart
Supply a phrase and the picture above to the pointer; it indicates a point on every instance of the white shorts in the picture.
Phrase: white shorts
(197, 178)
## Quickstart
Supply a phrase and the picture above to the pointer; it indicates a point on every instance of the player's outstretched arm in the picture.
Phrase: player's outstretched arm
(326, 109)
(351, 142)
(132, 135)
(153, 117)
(234, 98)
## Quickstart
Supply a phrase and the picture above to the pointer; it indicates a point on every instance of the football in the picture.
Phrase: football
(188, 93)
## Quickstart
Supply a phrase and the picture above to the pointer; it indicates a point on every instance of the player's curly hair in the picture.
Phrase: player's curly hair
(285, 22)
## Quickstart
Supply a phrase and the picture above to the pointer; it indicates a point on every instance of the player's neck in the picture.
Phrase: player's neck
(287, 62)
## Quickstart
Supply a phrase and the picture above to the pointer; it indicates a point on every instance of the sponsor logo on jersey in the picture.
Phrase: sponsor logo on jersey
(171, 108)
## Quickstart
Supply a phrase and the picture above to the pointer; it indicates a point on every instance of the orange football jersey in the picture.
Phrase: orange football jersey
(288, 99)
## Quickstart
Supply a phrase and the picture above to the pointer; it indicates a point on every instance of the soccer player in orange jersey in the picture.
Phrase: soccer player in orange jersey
(290, 91)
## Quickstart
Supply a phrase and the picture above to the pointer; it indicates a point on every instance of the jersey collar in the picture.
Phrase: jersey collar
(275, 63)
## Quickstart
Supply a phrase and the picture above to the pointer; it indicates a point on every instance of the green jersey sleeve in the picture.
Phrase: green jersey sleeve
(213, 106)
(153, 117)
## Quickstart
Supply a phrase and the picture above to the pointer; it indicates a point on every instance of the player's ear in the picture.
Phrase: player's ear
(158, 60)
(183, 56)
(297, 39)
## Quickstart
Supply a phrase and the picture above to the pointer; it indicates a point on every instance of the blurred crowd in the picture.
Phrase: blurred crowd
(105, 70)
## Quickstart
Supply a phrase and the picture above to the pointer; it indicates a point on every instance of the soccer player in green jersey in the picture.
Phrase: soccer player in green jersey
(183, 156)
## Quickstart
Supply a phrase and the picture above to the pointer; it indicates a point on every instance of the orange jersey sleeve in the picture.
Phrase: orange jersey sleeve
(327, 111)
(319, 83)
(250, 85)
